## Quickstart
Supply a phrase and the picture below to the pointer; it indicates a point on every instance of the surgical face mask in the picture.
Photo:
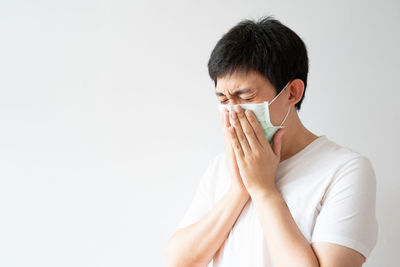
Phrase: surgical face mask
(261, 111)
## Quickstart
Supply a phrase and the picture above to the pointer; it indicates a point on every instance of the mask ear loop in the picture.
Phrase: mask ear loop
(284, 88)
(287, 113)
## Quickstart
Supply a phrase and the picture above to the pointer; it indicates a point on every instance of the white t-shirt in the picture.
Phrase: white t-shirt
(329, 189)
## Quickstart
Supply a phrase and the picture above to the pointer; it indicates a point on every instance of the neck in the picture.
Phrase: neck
(296, 137)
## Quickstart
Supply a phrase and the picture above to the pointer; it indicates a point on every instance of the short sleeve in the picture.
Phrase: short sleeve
(347, 216)
(201, 201)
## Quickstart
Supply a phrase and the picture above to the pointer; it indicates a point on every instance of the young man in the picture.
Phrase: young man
(297, 199)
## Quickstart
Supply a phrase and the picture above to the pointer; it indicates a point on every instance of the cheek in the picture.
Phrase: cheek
(277, 114)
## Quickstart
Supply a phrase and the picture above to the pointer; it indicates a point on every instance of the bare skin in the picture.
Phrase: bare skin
(253, 163)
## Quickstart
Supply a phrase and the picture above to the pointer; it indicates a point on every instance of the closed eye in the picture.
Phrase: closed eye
(246, 100)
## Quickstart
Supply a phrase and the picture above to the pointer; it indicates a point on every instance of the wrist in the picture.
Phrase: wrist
(239, 191)
(269, 192)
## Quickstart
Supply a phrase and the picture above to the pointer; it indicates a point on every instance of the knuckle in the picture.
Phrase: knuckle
(256, 154)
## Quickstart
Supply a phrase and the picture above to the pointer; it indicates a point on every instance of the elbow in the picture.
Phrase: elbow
(172, 258)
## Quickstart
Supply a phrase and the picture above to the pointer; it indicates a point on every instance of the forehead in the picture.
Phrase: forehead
(240, 80)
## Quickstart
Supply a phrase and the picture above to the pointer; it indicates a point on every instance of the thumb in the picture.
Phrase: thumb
(277, 142)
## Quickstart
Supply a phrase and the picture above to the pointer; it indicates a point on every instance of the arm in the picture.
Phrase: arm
(285, 241)
(332, 255)
(287, 244)
(196, 244)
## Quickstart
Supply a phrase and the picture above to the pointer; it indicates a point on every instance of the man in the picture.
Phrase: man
(298, 200)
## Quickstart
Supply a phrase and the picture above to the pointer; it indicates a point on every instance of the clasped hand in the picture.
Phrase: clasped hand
(257, 160)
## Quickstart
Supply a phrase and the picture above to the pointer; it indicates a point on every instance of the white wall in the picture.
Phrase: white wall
(108, 117)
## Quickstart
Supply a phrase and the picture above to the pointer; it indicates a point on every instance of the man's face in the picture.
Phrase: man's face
(252, 88)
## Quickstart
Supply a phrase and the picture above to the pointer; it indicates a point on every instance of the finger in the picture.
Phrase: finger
(225, 119)
(277, 142)
(237, 148)
(247, 129)
(225, 124)
(239, 132)
(225, 130)
(251, 117)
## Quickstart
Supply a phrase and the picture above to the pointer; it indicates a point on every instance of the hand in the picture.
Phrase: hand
(236, 180)
(256, 158)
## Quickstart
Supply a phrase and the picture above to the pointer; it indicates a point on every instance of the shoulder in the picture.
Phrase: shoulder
(353, 173)
(341, 168)
(343, 157)
(350, 160)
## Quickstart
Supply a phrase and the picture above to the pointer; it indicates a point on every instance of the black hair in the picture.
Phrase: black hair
(266, 46)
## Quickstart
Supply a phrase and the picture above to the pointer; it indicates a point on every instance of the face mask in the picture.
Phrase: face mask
(261, 111)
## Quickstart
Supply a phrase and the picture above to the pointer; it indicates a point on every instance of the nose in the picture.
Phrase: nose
(231, 104)
(234, 102)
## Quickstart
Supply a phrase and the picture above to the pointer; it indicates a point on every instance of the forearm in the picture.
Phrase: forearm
(286, 243)
(196, 244)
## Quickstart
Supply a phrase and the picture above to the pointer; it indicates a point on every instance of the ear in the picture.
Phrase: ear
(296, 90)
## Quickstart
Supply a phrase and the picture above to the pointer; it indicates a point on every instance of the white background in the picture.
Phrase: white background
(108, 117)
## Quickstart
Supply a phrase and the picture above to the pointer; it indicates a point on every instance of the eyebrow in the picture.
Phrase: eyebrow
(237, 92)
